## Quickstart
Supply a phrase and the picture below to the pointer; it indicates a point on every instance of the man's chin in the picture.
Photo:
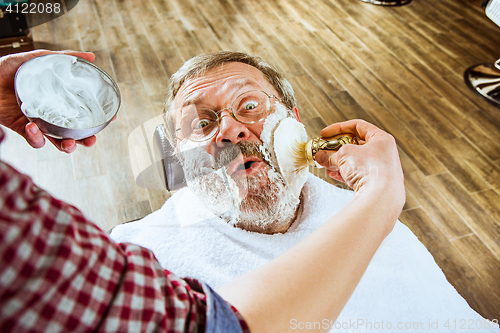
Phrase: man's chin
(252, 185)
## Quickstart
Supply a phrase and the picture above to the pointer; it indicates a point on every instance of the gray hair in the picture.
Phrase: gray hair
(199, 65)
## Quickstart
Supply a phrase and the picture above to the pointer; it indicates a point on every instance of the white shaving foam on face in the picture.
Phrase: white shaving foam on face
(287, 137)
(271, 123)
(215, 188)
(270, 136)
(65, 92)
(266, 136)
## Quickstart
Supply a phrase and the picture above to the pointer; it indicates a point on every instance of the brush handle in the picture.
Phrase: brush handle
(332, 144)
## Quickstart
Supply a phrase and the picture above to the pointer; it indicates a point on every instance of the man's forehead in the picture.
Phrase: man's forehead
(196, 96)
(222, 79)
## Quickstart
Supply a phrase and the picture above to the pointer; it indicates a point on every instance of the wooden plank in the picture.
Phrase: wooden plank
(125, 68)
(462, 31)
(307, 112)
(243, 34)
(319, 100)
(379, 89)
(351, 84)
(409, 142)
(440, 61)
(164, 46)
(221, 28)
(436, 82)
(348, 39)
(187, 44)
(207, 40)
(445, 43)
(189, 15)
(366, 36)
(482, 165)
(67, 27)
(482, 260)
(446, 154)
(293, 41)
(479, 133)
(475, 15)
(308, 20)
(165, 9)
(341, 50)
(227, 7)
(314, 126)
(436, 205)
(490, 201)
(411, 202)
(483, 225)
(350, 107)
(148, 64)
(326, 10)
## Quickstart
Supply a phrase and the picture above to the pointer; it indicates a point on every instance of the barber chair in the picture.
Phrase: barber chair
(153, 159)
(388, 2)
(168, 166)
(484, 79)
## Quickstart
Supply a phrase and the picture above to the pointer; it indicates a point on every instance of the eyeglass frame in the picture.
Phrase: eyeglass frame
(231, 112)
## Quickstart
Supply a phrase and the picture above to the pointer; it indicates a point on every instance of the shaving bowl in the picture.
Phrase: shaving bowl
(77, 95)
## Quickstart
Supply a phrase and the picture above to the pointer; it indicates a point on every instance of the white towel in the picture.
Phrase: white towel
(403, 289)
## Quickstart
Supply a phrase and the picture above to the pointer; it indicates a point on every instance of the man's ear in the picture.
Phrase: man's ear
(296, 113)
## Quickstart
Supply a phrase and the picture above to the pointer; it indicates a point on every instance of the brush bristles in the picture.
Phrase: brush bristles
(300, 156)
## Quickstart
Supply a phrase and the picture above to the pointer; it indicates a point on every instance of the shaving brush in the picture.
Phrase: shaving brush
(295, 152)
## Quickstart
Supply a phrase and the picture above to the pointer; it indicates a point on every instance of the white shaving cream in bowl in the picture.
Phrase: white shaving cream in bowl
(66, 96)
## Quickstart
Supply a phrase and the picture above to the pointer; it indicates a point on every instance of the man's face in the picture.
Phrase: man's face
(236, 147)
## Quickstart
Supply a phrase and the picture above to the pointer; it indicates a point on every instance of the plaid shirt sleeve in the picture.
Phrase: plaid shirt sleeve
(61, 273)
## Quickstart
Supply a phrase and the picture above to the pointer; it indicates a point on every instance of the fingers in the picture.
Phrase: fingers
(362, 129)
(336, 175)
(323, 159)
(23, 57)
(69, 145)
(85, 55)
(33, 135)
(87, 142)
(328, 160)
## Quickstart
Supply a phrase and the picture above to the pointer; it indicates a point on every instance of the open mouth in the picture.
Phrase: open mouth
(245, 167)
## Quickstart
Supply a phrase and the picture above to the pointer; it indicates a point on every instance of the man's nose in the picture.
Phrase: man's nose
(231, 130)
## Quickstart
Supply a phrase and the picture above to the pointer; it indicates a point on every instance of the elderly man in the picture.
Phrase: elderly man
(60, 272)
(240, 210)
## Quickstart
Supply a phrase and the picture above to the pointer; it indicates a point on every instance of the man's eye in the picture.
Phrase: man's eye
(250, 105)
(201, 123)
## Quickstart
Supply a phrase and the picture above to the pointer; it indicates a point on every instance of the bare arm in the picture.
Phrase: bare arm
(313, 280)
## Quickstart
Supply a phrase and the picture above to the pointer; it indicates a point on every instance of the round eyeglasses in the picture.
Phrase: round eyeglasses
(201, 124)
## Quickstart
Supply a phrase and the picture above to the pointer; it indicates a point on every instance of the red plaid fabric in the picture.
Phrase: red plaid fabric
(61, 273)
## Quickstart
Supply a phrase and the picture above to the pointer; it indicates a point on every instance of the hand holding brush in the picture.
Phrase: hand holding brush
(374, 164)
